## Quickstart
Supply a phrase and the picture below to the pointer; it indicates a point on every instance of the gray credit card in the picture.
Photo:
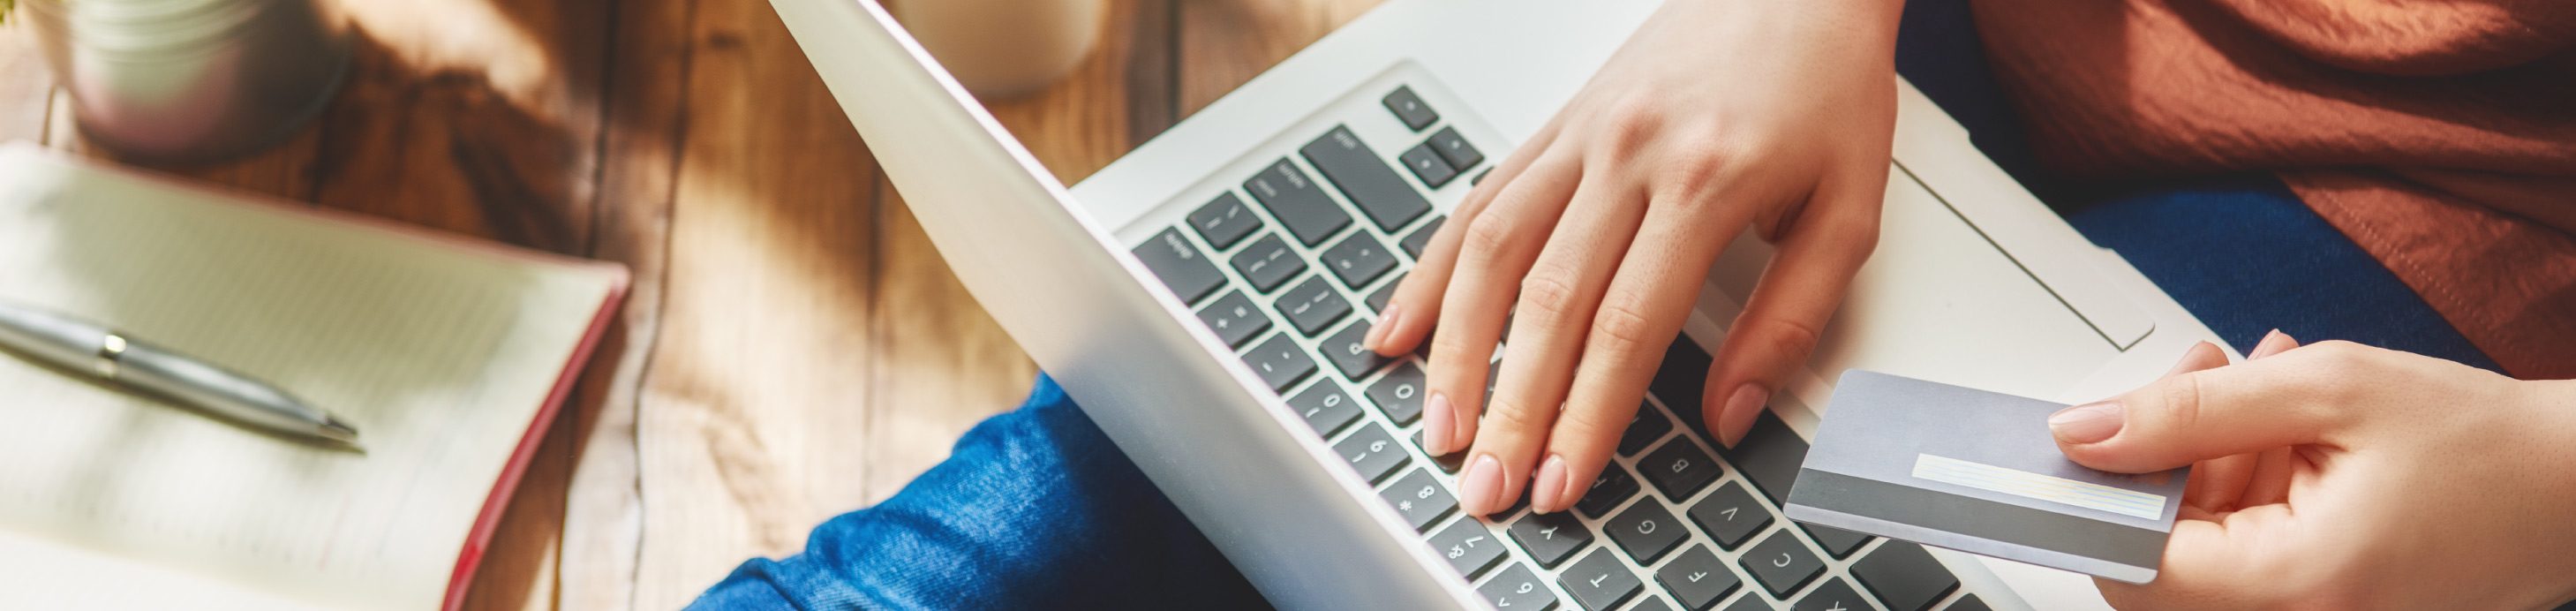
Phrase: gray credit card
(1977, 472)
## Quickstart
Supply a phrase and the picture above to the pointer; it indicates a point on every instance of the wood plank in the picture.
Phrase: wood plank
(750, 419)
(1224, 43)
(943, 364)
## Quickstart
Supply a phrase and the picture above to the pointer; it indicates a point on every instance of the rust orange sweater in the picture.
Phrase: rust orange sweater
(2440, 136)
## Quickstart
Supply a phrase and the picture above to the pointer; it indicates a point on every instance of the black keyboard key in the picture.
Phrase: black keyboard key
(1454, 149)
(1608, 490)
(1643, 429)
(1421, 237)
(1297, 202)
(1515, 589)
(1225, 221)
(1550, 537)
(1782, 564)
(1679, 469)
(1359, 259)
(1268, 263)
(1235, 319)
(1448, 463)
(1344, 352)
(1841, 543)
(1374, 454)
(1646, 531)
(1678, 383)
(1651, 603)
(1399, 394)
(1769, 456)
(1377, 301)
(1280, 362)
(1410, 109)
(1365, 179)
(1420, 499)
(1698, 579)
(1833, 596)
(1480, 177)
(1427, 165)
(1312, 306)
(1326, 407)
(1598, 582)
(1970, 603)
(1469, 547)
(1730, 515)
(1904, 577)
(1180, 265)
(1749, 602)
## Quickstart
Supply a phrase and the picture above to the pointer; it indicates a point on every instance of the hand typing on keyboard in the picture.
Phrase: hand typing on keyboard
(1717, 116)
(2337, 476)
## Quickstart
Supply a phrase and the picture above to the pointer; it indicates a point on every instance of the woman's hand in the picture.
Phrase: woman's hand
(1593, 238)
(2338, 476)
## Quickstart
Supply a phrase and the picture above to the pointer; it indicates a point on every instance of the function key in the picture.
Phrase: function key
(1180, 265)
(1904, 576)
(1515, 589)
(1612, 487)
(1421, 237)
(1469, 547)
(1410, 109)
(1730, 515)
(1359, 259)
(1399, 394)
(1268, 263)
(1833, 596)
(1296, 201)
(1326, 407)
(1646, 531)
(1372, 453)
(1420, 499)
(1365, 178)
(1235, 319)
(1280, 362)
(1679, 469)
(1343, 350)
(1455, 149)
(1769, 456)
(1598, 582)
(1782, 565)
(1550, 537)
(1224, 221)
(1648, 426)
(1312, 306)
(1427, 165)
(1698, 579)
(1841, 543)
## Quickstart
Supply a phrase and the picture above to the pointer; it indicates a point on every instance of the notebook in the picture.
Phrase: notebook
(448, 355)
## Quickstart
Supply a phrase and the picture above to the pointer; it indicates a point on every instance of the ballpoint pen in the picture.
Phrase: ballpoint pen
(114, 358)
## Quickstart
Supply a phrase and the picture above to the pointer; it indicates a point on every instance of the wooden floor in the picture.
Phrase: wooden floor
(793, 348)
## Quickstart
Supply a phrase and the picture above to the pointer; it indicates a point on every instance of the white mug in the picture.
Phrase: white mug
(1004, 48)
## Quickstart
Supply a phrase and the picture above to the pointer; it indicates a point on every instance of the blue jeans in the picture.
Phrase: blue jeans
(1036, 509)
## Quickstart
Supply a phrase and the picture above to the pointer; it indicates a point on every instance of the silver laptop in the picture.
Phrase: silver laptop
(1203, 297)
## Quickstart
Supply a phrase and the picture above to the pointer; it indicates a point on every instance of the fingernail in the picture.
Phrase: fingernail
(1438, 424)
(1482, 489)
(1547, 495)
(1385, 323)
(2088, 423)
(1750, 396)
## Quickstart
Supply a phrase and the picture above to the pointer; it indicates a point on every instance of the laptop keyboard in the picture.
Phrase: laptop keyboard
(1673, 523)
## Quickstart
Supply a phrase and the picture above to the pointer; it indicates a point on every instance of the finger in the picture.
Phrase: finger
(1657, 282)
(1499, 246)
(1549, 328)
(2268, 474)
(1797, 294)
(2218, 484)
(1416, 305)
(2273, 343)
(2183, 419)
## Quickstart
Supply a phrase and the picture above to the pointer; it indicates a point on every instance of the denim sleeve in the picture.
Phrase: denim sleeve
(1033, 509)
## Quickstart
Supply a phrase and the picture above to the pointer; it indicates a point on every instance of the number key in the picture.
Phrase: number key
(1373, 453)
(1515, 589)
(1469, 547)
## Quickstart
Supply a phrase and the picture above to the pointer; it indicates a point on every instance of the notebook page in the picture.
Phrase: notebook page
(440, 358)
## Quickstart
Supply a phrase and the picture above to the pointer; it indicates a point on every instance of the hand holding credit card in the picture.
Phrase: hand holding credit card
(1977, 472)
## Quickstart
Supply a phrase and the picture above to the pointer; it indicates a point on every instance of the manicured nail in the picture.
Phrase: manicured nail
(2273, 343)
(1439, 423)
(2087, 423)
(1385, 324)
(1482, 489)
(1547, 495)
(1750, 396)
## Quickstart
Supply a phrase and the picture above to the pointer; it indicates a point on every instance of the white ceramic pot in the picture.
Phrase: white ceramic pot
(1004, 48)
